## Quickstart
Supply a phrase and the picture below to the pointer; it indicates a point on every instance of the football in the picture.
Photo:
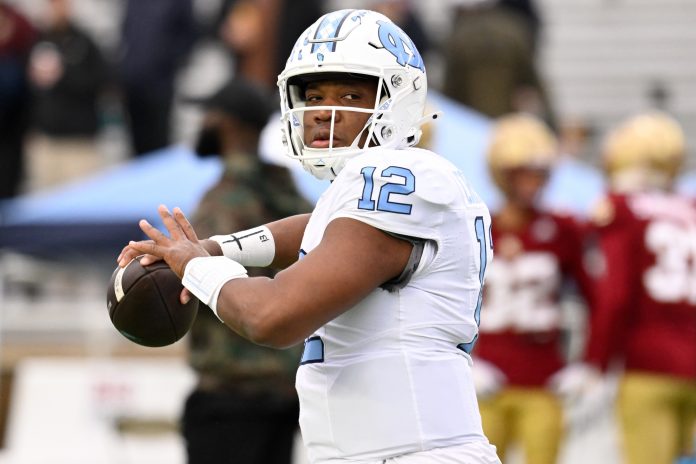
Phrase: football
(143, 304)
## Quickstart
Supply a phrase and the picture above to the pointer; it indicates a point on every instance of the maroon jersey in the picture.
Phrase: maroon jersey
(521, 323)
(646, 295)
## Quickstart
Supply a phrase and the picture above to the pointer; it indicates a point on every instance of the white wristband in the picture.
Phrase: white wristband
(253, 247)
(205, 276)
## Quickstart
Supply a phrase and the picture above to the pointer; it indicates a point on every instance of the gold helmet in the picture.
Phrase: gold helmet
(520, 140)
(645, 151)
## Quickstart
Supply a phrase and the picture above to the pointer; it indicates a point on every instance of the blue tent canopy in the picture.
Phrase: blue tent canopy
(128, 192)
(101, 213)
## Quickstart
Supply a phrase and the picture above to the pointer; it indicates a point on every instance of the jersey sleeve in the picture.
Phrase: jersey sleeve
(404, 195)
(613, 284)
(576, 246)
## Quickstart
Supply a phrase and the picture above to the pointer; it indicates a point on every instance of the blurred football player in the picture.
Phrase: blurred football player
(645, 314)
(538, 254)
(383, 281)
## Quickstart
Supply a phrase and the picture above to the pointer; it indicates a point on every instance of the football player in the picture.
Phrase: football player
(538, 256)
(645, 314)
(383, 281)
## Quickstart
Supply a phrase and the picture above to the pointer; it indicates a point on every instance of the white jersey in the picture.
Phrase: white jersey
(391, 375)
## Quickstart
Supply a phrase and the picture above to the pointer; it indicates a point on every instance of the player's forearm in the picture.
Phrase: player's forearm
(283, 311)
(246, 305)
(261, 311)
(287, 234)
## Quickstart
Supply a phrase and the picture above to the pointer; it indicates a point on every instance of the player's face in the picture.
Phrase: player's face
(353, 93)
(524, 185)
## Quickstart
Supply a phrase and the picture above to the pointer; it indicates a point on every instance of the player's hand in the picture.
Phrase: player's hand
(185, 296)
(177, 249)
(585, 392)
(129, 253)
(575, 381)
(488, 379)
(211, 246)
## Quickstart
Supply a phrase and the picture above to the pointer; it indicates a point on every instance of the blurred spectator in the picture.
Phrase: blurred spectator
(528, 10)
(157, 37)
(401, 12)
(490, 63)
(16, 39)
(644, 320)
(519, 347)
(260, 34)
(67, 73)
(245, 408)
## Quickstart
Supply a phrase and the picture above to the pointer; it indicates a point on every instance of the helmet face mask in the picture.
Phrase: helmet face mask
(349, 45)
(362, 136)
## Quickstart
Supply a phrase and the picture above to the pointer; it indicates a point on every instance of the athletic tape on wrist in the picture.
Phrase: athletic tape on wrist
(253, 247)
(205, 276)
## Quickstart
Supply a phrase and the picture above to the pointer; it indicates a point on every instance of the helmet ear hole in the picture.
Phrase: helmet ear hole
(414, 138)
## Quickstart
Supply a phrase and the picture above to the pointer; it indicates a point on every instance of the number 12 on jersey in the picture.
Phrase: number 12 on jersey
(404, 184)
(484, 245)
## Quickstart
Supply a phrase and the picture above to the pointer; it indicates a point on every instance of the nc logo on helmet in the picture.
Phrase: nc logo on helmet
(396, 42)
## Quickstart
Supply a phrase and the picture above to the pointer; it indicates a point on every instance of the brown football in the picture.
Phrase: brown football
(143, 303)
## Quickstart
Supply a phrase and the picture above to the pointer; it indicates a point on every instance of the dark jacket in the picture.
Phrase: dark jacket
(157, 37)
(70, 107)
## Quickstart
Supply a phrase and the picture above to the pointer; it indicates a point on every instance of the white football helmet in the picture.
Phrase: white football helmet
(356, 43)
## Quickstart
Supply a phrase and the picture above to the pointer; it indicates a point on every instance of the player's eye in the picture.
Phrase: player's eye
(312, 98)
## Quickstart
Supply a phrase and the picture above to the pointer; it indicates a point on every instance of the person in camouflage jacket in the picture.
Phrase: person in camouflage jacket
(244, 408)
